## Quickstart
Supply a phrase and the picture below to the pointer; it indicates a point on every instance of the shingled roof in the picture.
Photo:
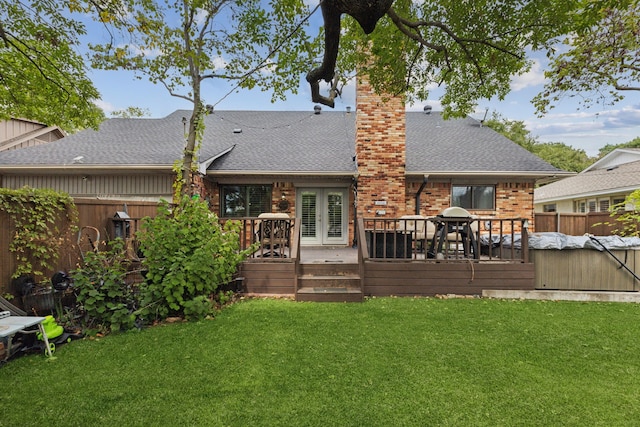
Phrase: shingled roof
(435, 145)
(620, 178)
(281, 142)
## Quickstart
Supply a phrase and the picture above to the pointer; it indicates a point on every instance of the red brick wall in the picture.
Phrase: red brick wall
(513, 200)
(380, 153)
(283, 191)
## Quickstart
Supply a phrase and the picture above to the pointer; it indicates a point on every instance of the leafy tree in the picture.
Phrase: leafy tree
(603, 57)
(515, 130)
(473, 48)
(557, 154)
(42, 77)
(182, 44)
(563, 156)
(634, 143)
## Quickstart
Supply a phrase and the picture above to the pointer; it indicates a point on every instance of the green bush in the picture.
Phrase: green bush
(187, 254)
(105, 299)
(628, 220)
(198, 308)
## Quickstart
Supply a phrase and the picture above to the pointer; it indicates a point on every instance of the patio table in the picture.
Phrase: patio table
(11, 325)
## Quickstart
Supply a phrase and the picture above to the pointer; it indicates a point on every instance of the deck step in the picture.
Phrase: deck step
(325, 281)
(330, 294)
(329, 269)
(329, 282)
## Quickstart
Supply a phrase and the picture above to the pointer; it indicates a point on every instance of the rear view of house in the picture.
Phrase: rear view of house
(325, 168)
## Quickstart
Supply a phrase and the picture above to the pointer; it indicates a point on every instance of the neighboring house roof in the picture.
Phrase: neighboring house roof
(20, 133)
(289, 142)
(592, 182)
(616, 157)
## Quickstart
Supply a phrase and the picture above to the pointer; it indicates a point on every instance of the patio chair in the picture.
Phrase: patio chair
(420, 228)
(273, 233)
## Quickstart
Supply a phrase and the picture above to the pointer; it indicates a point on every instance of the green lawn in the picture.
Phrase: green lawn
(386, 362)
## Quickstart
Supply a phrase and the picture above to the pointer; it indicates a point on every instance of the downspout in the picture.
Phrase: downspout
(354, 243)
(424, 183)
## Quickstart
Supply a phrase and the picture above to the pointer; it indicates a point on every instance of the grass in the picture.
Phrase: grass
(386, 362)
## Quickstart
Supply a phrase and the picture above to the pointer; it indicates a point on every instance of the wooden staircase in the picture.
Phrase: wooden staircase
(329, 282)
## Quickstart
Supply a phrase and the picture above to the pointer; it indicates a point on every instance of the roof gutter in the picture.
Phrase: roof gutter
(282, 173)
(540, 174)
(81, 168)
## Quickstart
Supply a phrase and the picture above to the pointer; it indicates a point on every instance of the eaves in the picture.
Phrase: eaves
(587, 194)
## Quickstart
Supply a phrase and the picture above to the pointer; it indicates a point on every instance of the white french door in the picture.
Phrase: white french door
(323, 214)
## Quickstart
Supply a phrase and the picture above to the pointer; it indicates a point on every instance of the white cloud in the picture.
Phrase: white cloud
(219, 63)
(105, 106)
(533, 77)
(136, 50)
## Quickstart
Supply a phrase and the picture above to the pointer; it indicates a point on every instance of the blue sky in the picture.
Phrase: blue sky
(585, 129)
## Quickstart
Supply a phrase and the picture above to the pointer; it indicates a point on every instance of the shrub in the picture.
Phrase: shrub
(188, 254)
(627, 220)
(105, 299)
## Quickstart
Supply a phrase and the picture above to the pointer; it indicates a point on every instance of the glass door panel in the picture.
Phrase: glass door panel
(323, 216)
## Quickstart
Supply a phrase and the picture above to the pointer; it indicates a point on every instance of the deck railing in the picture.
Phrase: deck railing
(274, 239)
(444, 239)
(435, 239)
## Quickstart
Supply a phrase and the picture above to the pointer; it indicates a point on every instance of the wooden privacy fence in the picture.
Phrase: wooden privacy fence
(93, 215)
(576, 224)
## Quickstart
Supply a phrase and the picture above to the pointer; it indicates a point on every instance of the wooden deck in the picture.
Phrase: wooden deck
(345, 274)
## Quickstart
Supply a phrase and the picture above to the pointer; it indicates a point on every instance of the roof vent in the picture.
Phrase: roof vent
(237, 130)
(317, 109)
(209, 108)
(427, 109)
(348, 109)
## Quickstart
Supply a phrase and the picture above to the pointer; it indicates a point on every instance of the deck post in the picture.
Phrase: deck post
(524, 240)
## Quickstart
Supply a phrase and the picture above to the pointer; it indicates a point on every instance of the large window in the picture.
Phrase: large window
(473, 196)
(245, 200)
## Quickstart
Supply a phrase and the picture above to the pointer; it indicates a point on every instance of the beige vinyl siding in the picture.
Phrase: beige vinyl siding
(16, 133)
(139, 187)
(12, 128)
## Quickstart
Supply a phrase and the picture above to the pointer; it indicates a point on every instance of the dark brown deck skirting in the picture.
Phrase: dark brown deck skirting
(402, 278)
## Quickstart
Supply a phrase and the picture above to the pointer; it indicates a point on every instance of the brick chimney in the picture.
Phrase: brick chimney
(380, 152)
